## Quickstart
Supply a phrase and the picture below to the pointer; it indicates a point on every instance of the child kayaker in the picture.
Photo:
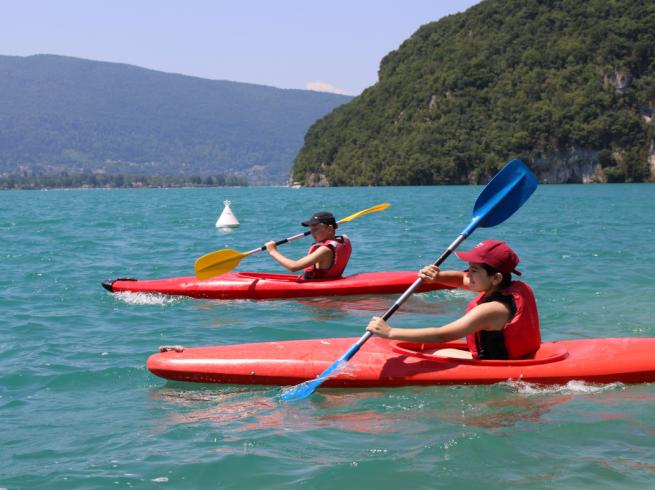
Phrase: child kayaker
(327, 257)
(502, 321)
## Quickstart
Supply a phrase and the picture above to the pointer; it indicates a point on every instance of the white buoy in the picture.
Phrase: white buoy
(227, 218)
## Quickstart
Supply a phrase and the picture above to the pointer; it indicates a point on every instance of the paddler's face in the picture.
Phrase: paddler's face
(321, 231)
(479, 278)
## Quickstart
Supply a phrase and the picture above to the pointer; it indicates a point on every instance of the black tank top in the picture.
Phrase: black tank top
(491, 343)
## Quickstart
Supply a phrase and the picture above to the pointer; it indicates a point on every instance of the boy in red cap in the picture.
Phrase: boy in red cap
(327, 257)
(502, 322)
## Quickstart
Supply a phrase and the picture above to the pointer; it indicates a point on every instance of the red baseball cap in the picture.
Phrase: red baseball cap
(494, 253)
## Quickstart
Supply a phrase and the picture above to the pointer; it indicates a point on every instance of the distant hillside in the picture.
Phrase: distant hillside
(67, 114)
(567, 85)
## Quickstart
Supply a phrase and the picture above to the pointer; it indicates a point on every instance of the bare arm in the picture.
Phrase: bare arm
(453, 279)
(296, 265)
(487, 316)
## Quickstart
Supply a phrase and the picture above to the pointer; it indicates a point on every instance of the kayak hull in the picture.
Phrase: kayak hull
(384, 363)
(253, 285)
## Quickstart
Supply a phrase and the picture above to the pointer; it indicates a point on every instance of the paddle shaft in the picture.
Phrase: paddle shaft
(399, 302)
(290, 239)
(280, 242)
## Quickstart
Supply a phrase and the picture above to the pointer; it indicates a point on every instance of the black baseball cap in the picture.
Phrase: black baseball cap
(321, 217)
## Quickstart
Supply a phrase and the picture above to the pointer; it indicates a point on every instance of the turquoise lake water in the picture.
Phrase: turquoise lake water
(78, 409)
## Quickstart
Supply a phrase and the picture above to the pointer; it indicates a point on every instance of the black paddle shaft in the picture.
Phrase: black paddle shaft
(287, 240)
(419, 281)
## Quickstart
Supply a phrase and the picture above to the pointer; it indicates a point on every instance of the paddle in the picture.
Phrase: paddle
(502, 196)
(216, 263)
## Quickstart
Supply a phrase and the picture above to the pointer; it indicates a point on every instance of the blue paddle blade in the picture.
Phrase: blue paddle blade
(303, 390)
(502, 196)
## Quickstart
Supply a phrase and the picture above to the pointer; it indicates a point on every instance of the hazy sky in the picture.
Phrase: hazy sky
(281, 43)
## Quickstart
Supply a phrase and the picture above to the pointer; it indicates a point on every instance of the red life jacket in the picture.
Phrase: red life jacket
(521, 334)
(341, 250)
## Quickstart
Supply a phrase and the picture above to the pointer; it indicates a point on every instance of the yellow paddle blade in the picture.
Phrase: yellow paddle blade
(374, 209)
(217, 263)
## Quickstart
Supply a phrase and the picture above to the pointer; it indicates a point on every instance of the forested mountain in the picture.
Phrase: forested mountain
(60, 114)
(566, 85)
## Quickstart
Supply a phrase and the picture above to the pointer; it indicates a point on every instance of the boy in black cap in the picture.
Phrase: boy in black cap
(327, 257)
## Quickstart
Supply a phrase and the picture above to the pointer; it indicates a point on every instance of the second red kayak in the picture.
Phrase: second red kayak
(255, 285)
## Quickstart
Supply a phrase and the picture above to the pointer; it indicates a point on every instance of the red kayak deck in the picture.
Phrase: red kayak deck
(382, 362)
(253, 285)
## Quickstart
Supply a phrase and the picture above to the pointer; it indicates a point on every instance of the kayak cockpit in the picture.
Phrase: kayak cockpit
(456, 352)
(268, 276)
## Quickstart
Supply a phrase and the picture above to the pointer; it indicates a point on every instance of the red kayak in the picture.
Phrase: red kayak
(254, 285)
(382, 363)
